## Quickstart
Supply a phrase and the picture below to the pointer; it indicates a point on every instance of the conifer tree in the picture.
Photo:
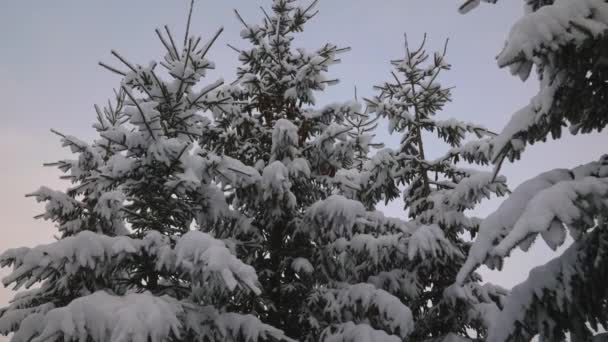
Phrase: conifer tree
(566, 42)
(301, 220)
(133, 260)
(437, 194)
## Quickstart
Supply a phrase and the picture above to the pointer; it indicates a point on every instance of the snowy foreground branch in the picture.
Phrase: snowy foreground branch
(545, 38)
(565, 41)
(549, 205)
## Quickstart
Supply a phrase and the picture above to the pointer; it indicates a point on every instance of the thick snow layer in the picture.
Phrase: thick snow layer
(232, 171)
(200, 253)
(196, 253)
(86, 249)
(29, 328)
(136, 317)
(275, 180)
(553, 207)
(532, 40)
(555, 276)
(165, 150)
(479, 150)
(483, 300)
(540, 205)
(109, 204)
(277, 187)
(338, 110)
(332, 133)
(499, 223)
(550, 28)
(13, 319)
(472, 189)
(531, 114)
(378, 248)
(58, 203)
(430, 242)
(396, 316)
(299, 167)
(349, 182)
(231, 326)
(145, 117)
(119, 166)
(284, 139)
(337, 216)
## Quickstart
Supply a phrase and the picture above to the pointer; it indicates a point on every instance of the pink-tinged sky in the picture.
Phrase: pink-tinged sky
(49, 78)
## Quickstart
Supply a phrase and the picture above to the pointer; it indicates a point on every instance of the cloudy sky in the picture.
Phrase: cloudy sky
(49, 78)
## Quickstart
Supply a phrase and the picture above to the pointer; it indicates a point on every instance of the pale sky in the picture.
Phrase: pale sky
(49, 78)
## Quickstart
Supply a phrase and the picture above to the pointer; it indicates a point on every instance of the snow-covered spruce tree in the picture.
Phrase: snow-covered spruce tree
(132, 261)
(566, 41)
(437, 194)
(331, 268)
